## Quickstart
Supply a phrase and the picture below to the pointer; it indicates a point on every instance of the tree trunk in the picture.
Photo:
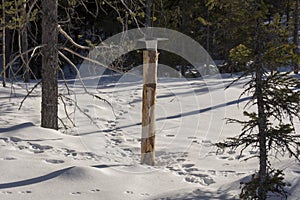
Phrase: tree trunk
(262, 119)
(49, 65)
(8, 46)
(148, 107)
(208, 32)
(296, 35)
(3, 74)
(24, 39)
(262, 134)
(287, 12)
(148, 13)
(183, 29)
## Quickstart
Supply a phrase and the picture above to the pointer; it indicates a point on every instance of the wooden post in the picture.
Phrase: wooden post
(150, 62)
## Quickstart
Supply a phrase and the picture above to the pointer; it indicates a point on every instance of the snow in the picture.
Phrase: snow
(100, 159)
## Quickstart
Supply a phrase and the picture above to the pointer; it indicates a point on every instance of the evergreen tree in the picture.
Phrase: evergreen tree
(275, 96)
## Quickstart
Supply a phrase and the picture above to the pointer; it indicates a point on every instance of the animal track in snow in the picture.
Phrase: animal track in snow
(8, 158)
(37, 148)
(5, 192)
(54, 161)
(25, 145)
(75, 193)
(145, 194)
(129, 192)
(203, 179)
(187, 165)
(25, 192)
(95, 190)
(170, 135)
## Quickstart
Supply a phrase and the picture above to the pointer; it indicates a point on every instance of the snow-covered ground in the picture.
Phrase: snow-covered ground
(100, 159)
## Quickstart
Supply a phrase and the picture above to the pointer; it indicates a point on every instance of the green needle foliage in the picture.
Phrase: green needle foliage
(275, 95)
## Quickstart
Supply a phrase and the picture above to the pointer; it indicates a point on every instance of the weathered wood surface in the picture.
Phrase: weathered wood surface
(148, 107)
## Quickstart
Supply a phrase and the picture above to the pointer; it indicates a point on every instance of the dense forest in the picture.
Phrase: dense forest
(223, 28)
(252, 37)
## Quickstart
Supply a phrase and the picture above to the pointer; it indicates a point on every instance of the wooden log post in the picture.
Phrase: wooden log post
(150, 61)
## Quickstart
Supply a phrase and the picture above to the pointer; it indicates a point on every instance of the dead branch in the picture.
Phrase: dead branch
(82, 111)
(30, 8)
(87, 10)
(90, 60)
(64, 80)
(80, 79)
(131, 12)
(21, 54)
(61, 96)
(29, 92)
(62, 122)
(71, 40)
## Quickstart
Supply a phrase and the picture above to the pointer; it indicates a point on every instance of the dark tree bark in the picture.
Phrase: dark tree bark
(262, 123)
(148, 13)
(208, 32)
(8, 46)
(3, 74)
(262, 119)
(24, 39)
(296, 35)
(287, 12)
(49, 65)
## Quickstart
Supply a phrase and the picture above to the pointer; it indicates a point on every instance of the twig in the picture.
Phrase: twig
(65, 109)
(64, 80)
(80, 79)
(91, 60)
(71, 40)
(62, 122)
(78, 107)
(29, 50)
(27, 95)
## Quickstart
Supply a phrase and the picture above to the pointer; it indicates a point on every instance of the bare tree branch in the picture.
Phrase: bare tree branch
(19, 55)
(80, 79)
(71, 40)
(90, 60)
(28, 94)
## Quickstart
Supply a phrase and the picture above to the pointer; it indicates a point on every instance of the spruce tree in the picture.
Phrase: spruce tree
(275, 96)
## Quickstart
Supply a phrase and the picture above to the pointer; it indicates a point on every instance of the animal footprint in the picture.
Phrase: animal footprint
(5, 192)
(15, 139)
(129, 192)
(95, 190)
(145, 194)
(37, 148)
(170, 135)
(223, 157)
(54, 161)
(26, 192)
(9, 158)
(76, 193)
(201, 178)
(187, 165)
